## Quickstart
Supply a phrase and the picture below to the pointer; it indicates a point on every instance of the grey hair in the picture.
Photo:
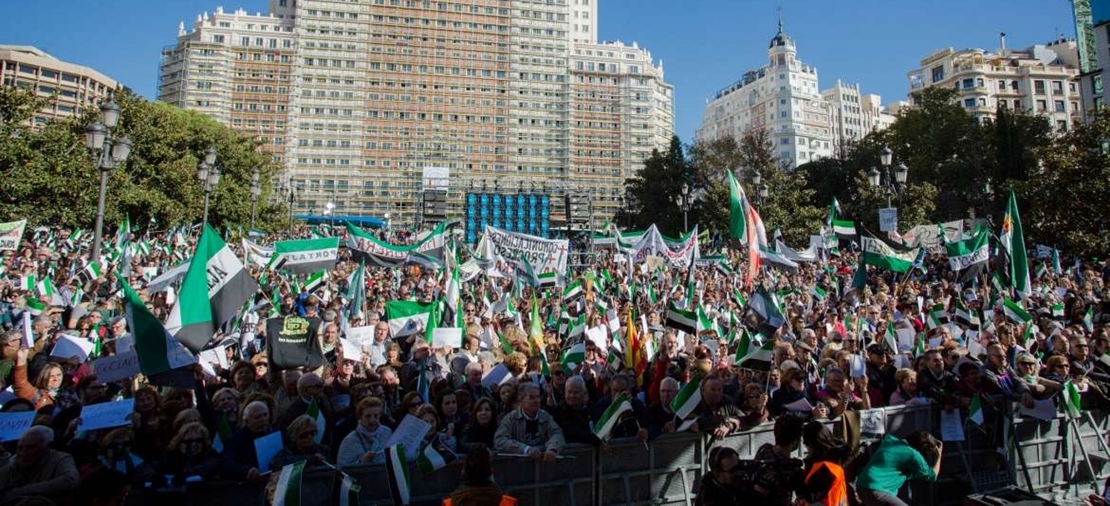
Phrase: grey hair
(46, 433)
(255, 406)
(298, 424)
(486, 357)
(669, 381)
(473, 366)
(577, 381)
(43, 319)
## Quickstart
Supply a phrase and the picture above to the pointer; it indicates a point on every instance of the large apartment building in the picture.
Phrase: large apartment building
(236, 68)
(369, 93)
(783, 97)
(1041, 80)
(69, 88)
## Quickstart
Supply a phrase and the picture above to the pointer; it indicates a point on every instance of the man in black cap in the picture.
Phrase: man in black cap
(880, 375)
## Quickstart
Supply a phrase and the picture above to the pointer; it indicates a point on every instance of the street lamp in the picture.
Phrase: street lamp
(891, 179)
(256, 191)
(109, 153)
(761, 190)
(685, 207)
(209, 176)
(329, 209)
(292, 198)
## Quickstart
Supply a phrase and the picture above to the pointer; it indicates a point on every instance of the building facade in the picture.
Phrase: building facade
(784, 97)
(70, 88)
(1092, 29)
(379, 90)
(237, 68)
(854, 114)
(1041, 80)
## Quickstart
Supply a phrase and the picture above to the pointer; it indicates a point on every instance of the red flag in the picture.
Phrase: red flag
(635, 349)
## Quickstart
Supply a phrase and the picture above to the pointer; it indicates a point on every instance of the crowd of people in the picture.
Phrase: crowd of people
(835, 353)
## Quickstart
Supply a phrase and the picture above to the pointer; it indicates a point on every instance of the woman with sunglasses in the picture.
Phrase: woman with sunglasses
(300, 444)
(1028, 370)
(191, 458)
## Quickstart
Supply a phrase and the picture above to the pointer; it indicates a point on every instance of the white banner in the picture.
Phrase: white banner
(676, 253)
(544, 255)
(10, 234)
(929, 235)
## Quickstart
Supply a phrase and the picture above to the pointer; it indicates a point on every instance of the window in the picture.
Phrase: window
(1041, 106)
(938, 73)
(1057, 87)
(1038, 87)
(1058, 106)
(969, 103)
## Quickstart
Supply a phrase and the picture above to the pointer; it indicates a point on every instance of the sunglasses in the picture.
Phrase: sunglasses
(310, 433)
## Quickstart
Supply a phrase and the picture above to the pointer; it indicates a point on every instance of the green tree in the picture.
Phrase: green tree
(1063, 202)
(52, 179)
(654, 195)
(789, 202)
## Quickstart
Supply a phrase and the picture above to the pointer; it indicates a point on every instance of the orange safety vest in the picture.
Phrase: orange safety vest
(838, 493)
(505, 501)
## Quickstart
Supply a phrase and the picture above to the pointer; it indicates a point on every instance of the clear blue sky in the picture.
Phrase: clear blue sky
(704, 44)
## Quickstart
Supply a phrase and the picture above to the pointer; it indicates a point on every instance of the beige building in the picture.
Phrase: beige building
(70, 87)
(853, 114)
(784, 97)
(236, 68)
(621, 109)
(379, 90)
(1041, 80)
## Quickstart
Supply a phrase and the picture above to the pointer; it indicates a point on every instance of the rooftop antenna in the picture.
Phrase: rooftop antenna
(1002, 41)
(780, 18)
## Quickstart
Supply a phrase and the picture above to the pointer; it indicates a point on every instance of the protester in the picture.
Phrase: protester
(895, 461)
(342, 359)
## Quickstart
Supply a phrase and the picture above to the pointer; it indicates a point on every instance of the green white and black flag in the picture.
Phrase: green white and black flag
(305, 256)
(213, 291)
(970, 258)
(878, 253)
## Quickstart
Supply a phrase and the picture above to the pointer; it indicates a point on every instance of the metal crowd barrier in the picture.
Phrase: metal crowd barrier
(1041, 456)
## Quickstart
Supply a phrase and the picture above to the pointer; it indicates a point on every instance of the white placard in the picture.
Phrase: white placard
(125, 344)
(1043, 409)
(116, 367)
(599, 336)
(69, 346)
(107, 414)
(858, 367)
(800, 405)
(951, 425)
(409, 433)
(888, 219)
(451, 336)
(266, 447)
(906, 339)
(496, 376)
(214, 357)
(872, 421)
(13, 425)
(361, 335)
(351, 351)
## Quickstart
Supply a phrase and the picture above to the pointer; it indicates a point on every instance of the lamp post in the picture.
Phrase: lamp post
(109, 152)
(256, 191)
(761, 190)
(209, 176)
(329, 211)
(292, 198)
(891, 179)
(685, 207)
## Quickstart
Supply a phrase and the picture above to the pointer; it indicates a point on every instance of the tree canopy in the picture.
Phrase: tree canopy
(51, 178)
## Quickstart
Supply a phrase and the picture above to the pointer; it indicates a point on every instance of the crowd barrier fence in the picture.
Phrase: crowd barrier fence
(666, 471)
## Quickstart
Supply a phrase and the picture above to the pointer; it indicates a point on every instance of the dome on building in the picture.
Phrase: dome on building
(781, 39)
